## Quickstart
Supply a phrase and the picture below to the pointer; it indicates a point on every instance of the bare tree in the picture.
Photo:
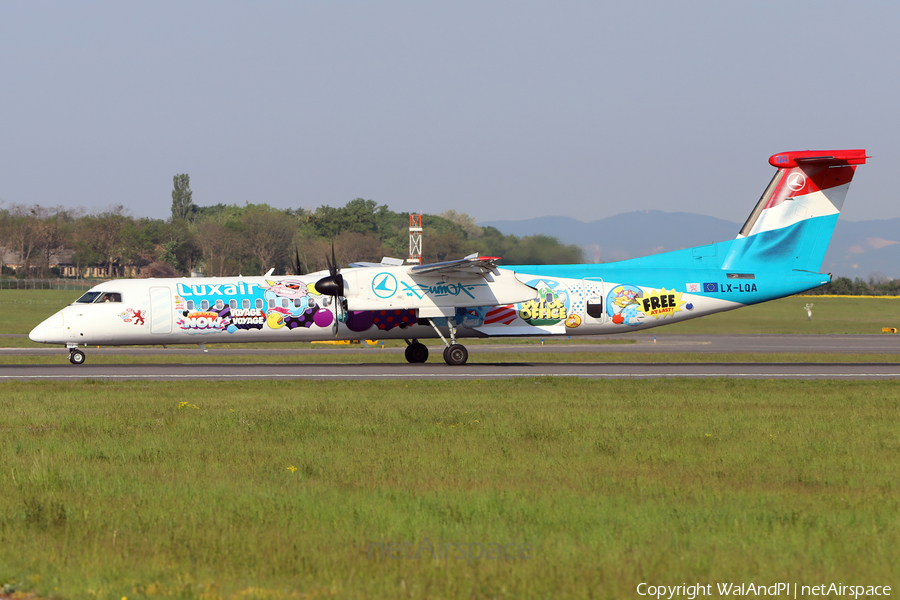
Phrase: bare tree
(269, 235)
(358, 247)
(465, 221)
(102, 234)
(22, 228)
(222, 248)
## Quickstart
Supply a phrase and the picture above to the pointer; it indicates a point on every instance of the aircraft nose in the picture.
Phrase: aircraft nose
(39, 333)
(48, 331)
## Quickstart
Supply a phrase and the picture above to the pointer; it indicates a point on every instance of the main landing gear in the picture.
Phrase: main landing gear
(416, 352)
(76, 356)
(454, 354)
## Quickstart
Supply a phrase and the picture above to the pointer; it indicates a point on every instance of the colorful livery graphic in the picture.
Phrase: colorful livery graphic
(778, 252)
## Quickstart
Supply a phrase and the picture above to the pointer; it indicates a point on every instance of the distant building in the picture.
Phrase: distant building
(11, 264)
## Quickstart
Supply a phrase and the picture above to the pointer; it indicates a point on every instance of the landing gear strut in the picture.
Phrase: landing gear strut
(416, 352)
(454, 354)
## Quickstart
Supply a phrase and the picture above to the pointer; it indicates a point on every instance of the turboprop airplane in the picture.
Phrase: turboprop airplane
(778, 252)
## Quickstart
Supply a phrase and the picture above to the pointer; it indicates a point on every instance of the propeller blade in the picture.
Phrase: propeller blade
(296, 260)
(333, 286)
(332, 266)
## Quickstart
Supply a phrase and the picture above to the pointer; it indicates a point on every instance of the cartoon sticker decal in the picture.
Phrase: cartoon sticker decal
(386, 320)
(471, 317)
(291, 306)
(552, 306)
(500, 314)
(631, 305)
(660, 304)
(246, 318)
(205, 321)
(275, 304)
(133, 315)
(622, 304)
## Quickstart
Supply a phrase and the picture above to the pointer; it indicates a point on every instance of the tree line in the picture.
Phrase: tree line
(222, 240)
(844, 286)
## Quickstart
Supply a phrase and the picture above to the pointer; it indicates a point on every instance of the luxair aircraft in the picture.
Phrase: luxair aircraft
(778, 252)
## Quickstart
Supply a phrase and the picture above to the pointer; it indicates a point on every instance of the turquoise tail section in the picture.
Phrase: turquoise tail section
(780, 248)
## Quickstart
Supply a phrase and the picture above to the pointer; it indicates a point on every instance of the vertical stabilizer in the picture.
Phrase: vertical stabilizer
(792, 223)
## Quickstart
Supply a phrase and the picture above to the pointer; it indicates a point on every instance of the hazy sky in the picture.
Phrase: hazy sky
(503, 110)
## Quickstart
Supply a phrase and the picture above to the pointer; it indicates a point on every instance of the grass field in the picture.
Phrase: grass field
(843, 314)
(242, 490)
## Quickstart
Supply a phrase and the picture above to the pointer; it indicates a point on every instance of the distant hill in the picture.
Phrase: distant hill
(858, 248)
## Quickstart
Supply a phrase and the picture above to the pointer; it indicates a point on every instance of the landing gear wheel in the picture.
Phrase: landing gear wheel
(456, 354)
(416, 353)
(76, 357)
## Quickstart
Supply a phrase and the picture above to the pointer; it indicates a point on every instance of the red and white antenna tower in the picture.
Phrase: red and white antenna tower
(415, 238)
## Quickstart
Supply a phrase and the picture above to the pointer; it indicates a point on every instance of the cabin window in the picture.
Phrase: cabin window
(298, 302)
(284, 303)
(220, 305)
(232, 304)
(204, 305)
(190, 305)
(271, 302)
(245, 304)
(259, 303)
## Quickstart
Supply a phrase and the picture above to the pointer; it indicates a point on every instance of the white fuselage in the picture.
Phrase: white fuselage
(288, 308)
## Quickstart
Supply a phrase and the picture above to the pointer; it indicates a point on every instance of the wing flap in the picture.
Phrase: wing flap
(472, 264)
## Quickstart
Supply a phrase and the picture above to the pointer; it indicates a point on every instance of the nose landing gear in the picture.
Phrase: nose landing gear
(76, 356)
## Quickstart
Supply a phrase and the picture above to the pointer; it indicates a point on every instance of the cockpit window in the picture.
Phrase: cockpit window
(88, 297)
(98, 297)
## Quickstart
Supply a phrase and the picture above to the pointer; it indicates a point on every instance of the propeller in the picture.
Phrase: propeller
(333, 285)
(297, 263)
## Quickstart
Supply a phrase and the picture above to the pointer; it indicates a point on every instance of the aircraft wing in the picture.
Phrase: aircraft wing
(472, 264)
(436, 289)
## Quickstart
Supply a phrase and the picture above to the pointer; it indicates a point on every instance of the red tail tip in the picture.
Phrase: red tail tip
(787, 160)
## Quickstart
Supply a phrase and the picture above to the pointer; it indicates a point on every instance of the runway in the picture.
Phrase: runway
(435, 369)
(470, 372)
(659, 343)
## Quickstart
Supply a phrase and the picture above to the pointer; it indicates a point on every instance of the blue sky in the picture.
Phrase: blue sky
(503, 110)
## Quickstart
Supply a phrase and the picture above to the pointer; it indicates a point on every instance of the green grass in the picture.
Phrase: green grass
(278, 490)
(22, 310)
(847, 315)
